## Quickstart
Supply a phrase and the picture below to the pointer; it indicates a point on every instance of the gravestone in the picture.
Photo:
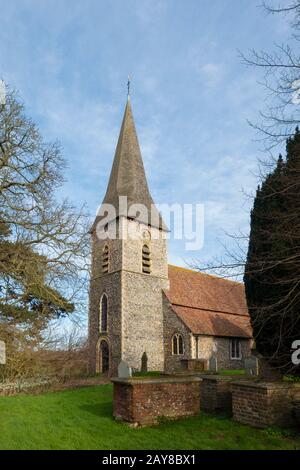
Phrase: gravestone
(265, 370)
(251, 366)
(144, 366)
(213, 364)
(124, 370)
(2, 353)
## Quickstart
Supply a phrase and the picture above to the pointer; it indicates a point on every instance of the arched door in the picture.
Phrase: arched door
(104, 356)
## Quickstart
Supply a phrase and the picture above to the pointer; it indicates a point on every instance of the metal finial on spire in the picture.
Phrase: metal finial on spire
(128, 86)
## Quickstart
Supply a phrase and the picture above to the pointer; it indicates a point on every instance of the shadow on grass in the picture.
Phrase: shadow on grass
(103, 410)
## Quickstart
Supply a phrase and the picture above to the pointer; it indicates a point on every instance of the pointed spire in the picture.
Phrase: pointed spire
(128, 176)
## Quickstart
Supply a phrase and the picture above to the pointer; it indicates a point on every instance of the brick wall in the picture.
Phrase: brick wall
(143, 401)
(264, 404)
(216, 394)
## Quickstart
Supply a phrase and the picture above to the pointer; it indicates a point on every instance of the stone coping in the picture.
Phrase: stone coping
(188, 373)
(154, 380)
(260, 383)
(223, 378)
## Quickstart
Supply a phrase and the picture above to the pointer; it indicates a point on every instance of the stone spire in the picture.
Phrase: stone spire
(128, 176)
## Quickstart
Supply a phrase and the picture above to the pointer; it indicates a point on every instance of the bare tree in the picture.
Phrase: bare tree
(281, 80)
(44, 246)
(269, 260)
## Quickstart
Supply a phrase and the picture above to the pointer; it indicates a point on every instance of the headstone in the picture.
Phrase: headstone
(251, 366)
(2, 353)
(124, 370)
(265, 370)
(144, 366)
(213, 364)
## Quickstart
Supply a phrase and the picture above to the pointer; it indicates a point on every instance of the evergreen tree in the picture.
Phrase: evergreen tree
(272, 272)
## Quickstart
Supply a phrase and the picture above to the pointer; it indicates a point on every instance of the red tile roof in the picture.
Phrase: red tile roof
(208, 304)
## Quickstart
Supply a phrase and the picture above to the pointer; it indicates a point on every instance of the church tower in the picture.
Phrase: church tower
(129, 265)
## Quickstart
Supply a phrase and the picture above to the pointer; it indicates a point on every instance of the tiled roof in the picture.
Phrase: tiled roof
(202, 322)
(208, 304)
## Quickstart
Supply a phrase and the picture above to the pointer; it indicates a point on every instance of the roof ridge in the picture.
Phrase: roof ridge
(205, 274)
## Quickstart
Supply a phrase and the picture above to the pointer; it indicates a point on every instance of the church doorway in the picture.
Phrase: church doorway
(104, 356)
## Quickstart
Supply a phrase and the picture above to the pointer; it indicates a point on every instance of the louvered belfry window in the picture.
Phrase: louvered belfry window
(105, 259)
(146, 259)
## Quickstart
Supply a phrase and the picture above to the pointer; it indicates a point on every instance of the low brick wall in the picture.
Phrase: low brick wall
(264, 404)
(216, 394)
(144, 401)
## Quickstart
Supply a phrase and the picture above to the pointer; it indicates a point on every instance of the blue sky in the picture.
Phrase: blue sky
(191, 95)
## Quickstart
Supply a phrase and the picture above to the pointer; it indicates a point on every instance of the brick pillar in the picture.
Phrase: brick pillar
(264, 404)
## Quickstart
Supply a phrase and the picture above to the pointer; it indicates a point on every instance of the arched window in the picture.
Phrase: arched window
(177, 344)
(105, 259)
(146, 259)
(103, 314)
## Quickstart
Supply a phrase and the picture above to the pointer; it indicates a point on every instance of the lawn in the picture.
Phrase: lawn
(82, 419)
(233, 372)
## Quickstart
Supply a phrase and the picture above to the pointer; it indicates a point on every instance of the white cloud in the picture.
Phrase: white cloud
(211, 70)
(191, 95)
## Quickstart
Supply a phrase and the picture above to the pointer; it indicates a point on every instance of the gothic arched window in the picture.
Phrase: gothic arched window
(177, 344)
(105, 259)
(146, 259)
(103, 314)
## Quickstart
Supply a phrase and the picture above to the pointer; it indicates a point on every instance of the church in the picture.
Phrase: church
(138, 303)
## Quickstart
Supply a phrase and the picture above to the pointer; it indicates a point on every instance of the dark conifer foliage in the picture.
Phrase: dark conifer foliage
(272, 272)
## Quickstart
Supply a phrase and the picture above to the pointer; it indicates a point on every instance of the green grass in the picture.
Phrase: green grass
(291, 378)
(82, 419)
(153, 373)
(232, 372)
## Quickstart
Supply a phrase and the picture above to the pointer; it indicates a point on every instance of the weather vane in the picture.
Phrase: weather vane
(128, 86)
